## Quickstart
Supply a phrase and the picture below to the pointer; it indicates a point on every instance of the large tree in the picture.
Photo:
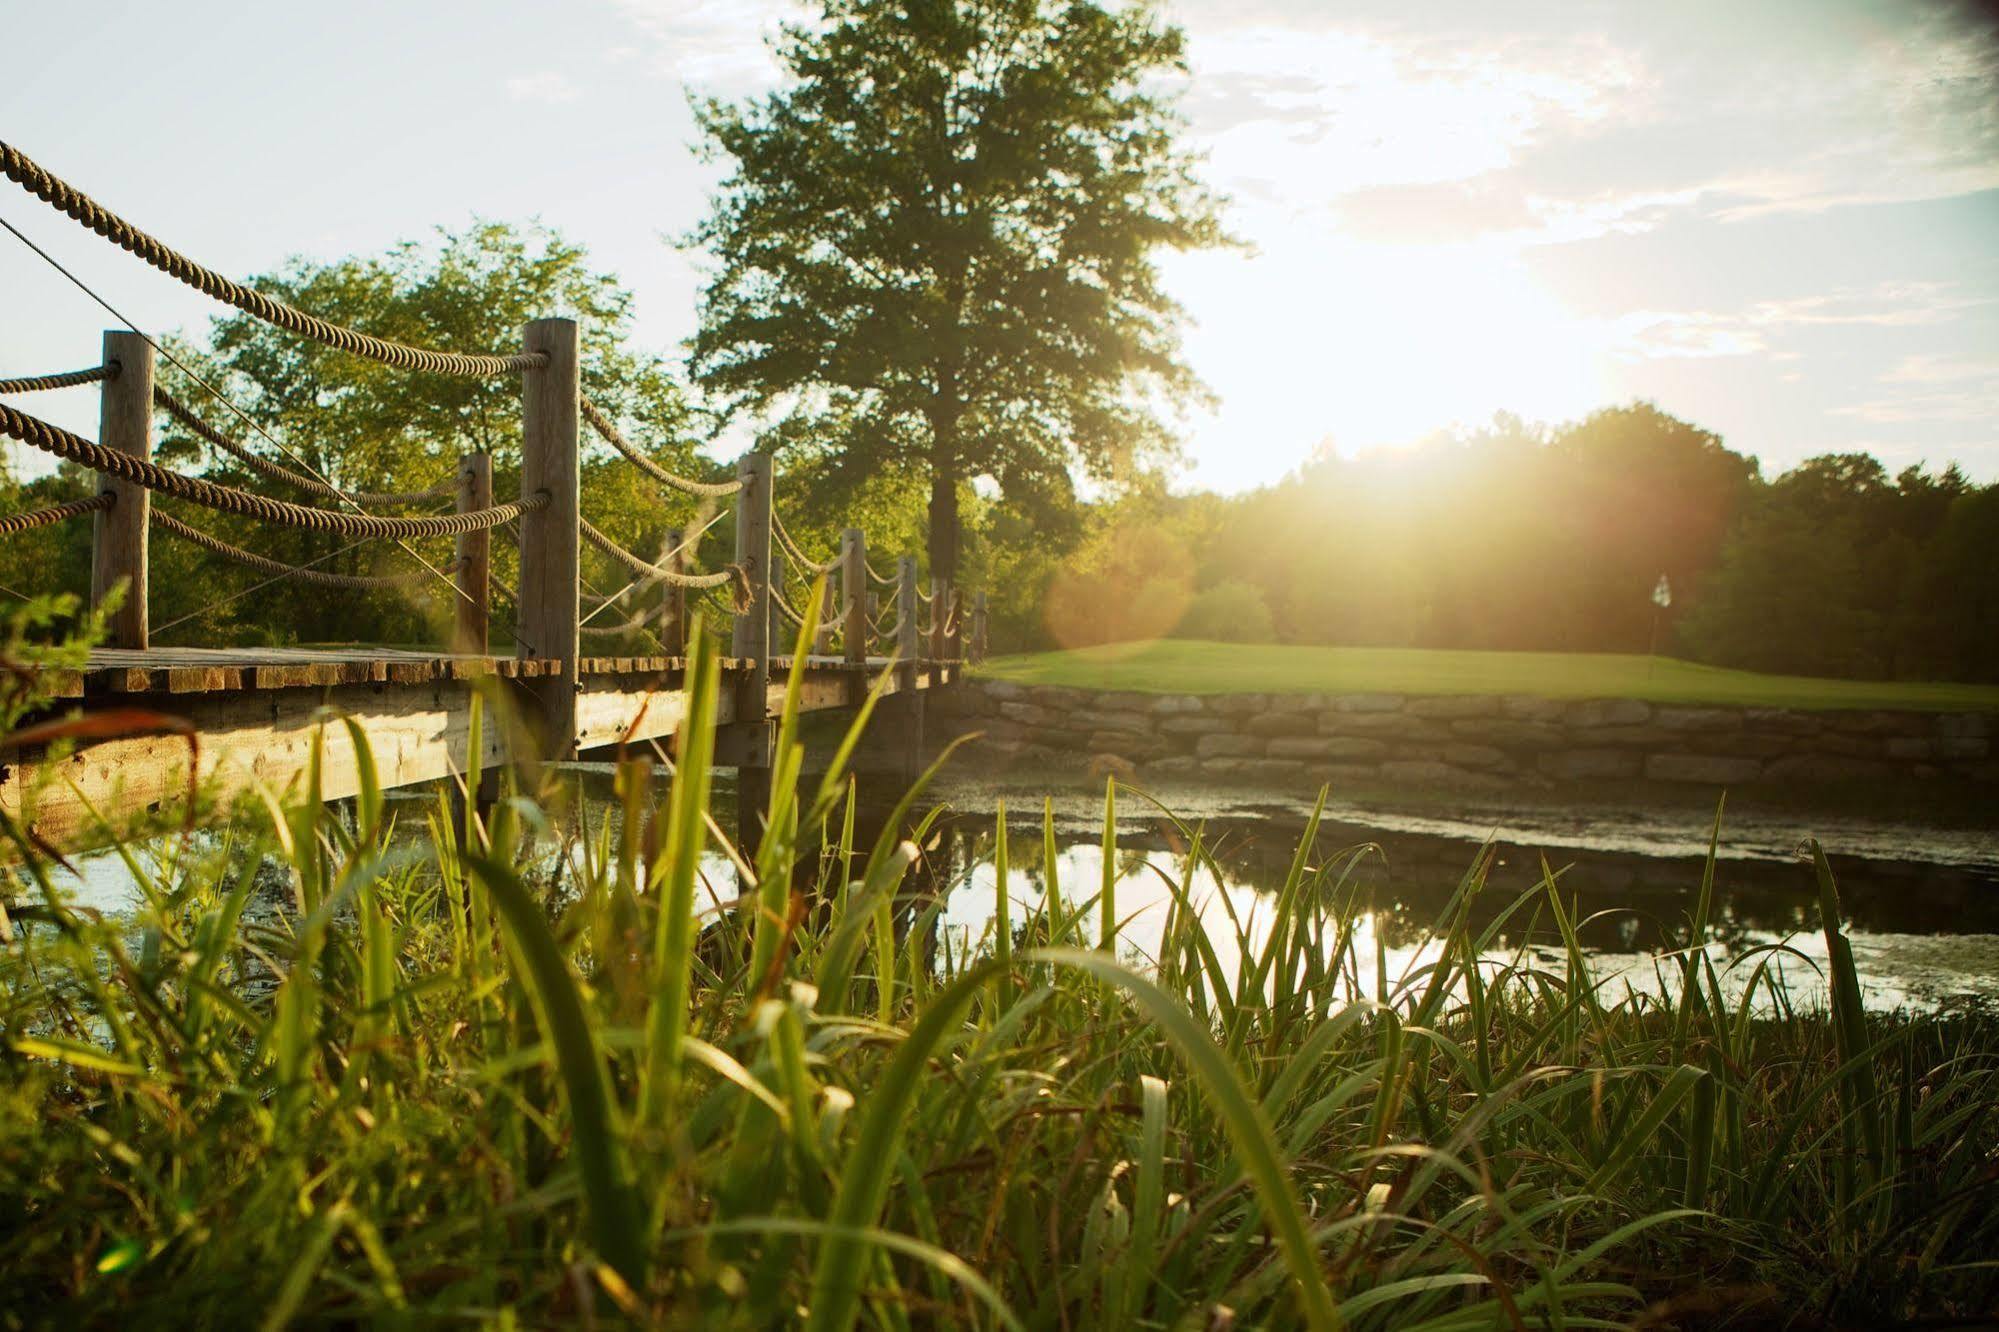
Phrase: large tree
(938, 243)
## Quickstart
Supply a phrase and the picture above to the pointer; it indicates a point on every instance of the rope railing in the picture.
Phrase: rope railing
(61, 380)
(264, 564)
(55, 513)
(80, 207)
(55, 440)
(796, 555)
(184, 414)
(609, 433)
(647, 569)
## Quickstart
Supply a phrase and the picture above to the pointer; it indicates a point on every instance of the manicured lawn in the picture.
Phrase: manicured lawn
(1177, 666)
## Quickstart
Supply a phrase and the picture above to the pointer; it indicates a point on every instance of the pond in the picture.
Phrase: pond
(1922, 903)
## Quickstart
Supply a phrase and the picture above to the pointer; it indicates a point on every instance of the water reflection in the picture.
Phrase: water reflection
(1923, 905)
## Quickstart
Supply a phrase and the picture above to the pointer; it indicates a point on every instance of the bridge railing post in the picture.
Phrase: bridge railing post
(829, 612)
(775, 612)
(908, 644)
(954, 634)
(854, 595)
(673, 598)
(978, 652)
(550, 618)
(940, 611)
(746, 743)
(118, 550)
(472, 601)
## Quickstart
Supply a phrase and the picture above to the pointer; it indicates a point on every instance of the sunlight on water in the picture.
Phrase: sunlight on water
(1923, 911)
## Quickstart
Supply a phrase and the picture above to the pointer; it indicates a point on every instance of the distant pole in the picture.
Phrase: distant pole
(673, 598)
(550, 614)
(475, 559)
(978, 627)
(118, 534)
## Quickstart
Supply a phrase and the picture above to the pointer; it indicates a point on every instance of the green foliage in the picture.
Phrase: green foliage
(936, 245)
(365, 427)
(1837, 569)
(431, 1081)
(1230, 612)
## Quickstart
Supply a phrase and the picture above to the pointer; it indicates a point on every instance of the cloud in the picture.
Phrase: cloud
(1933, 369)
(1758, 326)
(547, 87)
(713, 46)
(1552, 123)
(1933, 387)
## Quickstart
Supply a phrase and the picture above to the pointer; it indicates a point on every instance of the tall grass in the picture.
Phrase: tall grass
(466, 1080)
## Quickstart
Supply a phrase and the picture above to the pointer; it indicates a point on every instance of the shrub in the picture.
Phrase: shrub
(1231, 612)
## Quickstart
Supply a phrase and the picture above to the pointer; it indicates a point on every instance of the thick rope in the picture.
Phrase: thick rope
(225, 499)
(646, 569)
(67, 199)
(796, 555)
(184, 414)
(785, 607)
(67, 379)
(886, 580)
(638, 624)
(707, 489)
(262, 564)
(55, 513)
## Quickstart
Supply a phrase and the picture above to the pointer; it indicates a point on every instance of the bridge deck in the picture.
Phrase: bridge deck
(256, 711)
(189, 670)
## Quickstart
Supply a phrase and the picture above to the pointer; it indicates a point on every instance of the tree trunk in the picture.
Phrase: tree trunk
(944, 496)
(944, 524)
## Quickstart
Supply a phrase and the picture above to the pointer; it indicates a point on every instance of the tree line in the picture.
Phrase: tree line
(1557, 539)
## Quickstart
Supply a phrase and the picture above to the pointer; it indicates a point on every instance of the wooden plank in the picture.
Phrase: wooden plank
(417, 734)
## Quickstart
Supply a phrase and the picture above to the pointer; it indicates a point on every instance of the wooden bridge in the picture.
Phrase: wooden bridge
(252, 712)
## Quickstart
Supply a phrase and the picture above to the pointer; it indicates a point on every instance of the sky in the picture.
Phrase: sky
(1774, 219)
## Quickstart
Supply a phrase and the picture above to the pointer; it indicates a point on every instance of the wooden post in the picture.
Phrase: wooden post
(673, 598)
(940, 608)
(118, 534)
(909, 712)
(777, 621)
(908, 644)
(954, 635)
(475, 558)
(829, 613)
(978, 627)
(549, 602)
(854, 589)
(746, 742)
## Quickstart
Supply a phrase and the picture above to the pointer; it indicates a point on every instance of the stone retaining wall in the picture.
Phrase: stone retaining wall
(1465, 742)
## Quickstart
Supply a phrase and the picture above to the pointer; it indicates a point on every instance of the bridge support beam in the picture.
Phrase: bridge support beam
(550, 615)
(118, 542)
